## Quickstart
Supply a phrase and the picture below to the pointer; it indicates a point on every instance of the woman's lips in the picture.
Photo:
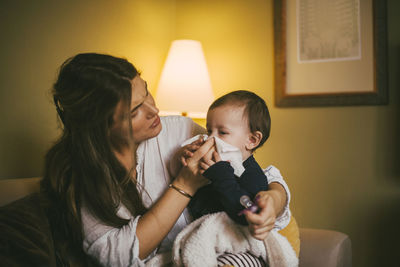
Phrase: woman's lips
(156, 122)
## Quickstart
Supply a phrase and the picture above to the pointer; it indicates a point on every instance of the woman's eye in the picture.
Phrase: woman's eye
(133, 115)
(208, 132)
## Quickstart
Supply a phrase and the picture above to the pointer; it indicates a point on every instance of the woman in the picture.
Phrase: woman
(107, 174)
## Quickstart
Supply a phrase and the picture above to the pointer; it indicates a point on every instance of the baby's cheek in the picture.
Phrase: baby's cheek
(229, 139)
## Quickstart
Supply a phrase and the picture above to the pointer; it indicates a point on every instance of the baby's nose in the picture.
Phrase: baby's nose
(212, 135)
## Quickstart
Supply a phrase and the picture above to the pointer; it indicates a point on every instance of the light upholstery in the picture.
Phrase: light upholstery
(324, 248)
(317, 247)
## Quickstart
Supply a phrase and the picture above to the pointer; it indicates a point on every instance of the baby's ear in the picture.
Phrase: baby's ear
(254, 140)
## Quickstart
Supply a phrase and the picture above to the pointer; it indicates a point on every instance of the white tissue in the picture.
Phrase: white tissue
(226, 151)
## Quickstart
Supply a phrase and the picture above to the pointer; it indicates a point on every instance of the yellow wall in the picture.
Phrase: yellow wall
(37, 36)
(341, 163)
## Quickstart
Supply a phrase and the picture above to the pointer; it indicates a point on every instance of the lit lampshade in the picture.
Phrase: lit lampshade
(185, 86)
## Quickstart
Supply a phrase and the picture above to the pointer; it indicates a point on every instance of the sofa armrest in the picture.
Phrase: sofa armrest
(324, 248)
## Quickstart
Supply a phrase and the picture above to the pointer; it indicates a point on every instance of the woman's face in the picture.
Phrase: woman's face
(144, 113)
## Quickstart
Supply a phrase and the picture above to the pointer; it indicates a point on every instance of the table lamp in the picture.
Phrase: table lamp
(185, 87)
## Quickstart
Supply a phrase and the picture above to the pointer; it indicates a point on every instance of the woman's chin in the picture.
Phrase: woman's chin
(155, 131)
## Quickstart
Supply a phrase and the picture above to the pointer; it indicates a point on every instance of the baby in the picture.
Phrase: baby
(240, 119)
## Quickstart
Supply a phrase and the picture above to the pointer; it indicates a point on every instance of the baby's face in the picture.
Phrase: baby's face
(228, 123)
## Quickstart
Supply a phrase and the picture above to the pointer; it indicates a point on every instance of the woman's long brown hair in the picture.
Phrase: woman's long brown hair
(81, 168)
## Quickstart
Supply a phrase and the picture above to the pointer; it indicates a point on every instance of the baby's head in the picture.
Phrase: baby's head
(240, 118)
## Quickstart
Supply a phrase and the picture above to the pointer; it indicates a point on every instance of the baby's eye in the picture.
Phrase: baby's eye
(222, 133)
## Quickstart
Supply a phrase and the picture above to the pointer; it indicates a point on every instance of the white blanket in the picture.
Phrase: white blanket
(202, 241)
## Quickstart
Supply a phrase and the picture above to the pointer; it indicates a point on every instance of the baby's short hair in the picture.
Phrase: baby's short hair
(255, 110)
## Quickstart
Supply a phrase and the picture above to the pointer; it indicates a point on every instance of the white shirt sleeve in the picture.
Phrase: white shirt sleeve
(274, 176)
(109, 245)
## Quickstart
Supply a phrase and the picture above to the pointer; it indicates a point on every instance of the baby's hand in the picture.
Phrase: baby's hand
(188, 150)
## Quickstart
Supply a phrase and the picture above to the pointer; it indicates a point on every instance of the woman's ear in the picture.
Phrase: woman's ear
(254, 140)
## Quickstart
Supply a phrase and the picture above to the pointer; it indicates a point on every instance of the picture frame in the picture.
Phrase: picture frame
(362, 81)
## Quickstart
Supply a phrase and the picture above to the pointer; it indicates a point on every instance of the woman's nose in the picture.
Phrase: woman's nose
(151, 108)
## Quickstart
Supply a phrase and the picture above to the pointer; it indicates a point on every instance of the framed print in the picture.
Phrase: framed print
(330, 52)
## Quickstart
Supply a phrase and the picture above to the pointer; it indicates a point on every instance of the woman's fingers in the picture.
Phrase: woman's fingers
(192, 147)
(203, 167)
(183, 161)
(207, 161)
(260, 224)
(261, 233)
(216, 156)
(208, 157)
(259, 228)
(258, 221)
(187, 154)
(199, 153)
(198, 142)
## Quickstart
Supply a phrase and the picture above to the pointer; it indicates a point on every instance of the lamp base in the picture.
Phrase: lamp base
(196, 115)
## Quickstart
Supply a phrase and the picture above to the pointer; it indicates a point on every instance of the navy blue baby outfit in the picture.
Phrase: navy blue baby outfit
(225, 189)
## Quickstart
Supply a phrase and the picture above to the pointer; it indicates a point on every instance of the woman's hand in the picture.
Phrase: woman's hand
(271, 203)
(190, 177)
(188, 150)
(261, 223)
(209, 159)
